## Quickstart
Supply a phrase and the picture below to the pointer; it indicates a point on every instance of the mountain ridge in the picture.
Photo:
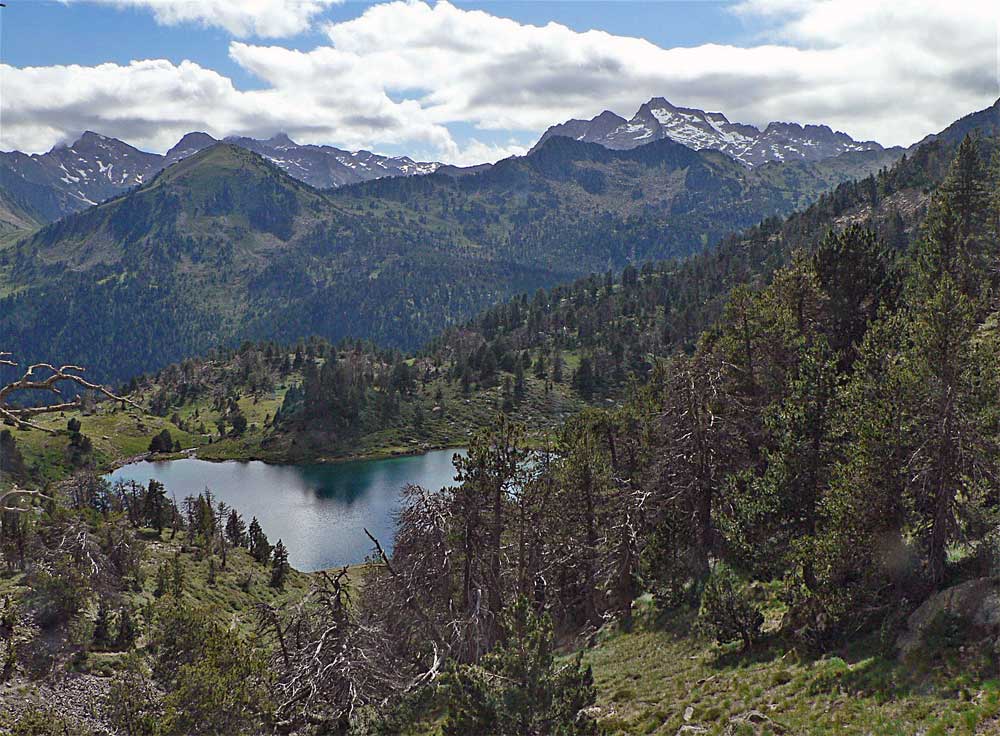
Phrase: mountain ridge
(72, 177)
(751, 146)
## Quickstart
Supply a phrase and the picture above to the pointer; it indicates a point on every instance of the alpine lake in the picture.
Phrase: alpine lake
(319, 511)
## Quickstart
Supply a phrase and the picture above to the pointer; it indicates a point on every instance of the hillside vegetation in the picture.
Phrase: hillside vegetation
(603, 331)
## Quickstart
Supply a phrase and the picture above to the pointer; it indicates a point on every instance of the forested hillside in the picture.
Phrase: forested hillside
(620, 323)
(223, 247)
(539, 357)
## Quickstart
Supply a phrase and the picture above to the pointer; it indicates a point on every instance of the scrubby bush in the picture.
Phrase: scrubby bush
(518, 688)
(58, 592)
(214, 681)
(37, 722)
(726, 609)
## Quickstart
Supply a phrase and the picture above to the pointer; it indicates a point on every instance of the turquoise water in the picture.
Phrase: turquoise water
(318, 511)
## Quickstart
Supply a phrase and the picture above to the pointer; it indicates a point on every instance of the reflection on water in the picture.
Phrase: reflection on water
(318, 511)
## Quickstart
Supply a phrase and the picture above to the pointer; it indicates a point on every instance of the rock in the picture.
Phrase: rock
(975, 601)
(689, 730)
(759, 722)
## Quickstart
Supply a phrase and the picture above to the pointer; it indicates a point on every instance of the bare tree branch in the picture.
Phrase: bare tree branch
(45, 377)
(16, 494)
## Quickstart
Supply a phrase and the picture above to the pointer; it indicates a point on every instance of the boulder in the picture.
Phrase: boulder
(690, 730)
(974, 601)
(757, 722)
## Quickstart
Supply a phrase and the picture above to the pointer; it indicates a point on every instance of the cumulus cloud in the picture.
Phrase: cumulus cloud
(409, 74)
(262, 18)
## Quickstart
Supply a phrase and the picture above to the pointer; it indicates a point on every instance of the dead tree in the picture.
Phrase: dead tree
(45, 378)
(330, 663)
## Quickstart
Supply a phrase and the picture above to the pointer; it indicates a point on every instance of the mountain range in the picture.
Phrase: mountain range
(697, 129)
(224, 245)
(40, 188)
(68, 179)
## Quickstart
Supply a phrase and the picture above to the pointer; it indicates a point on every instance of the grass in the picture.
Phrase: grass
(649, 679)
(117, 435)
(663, 676)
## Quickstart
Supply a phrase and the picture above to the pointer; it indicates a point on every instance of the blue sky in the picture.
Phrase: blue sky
(45, 32)
(444, 81)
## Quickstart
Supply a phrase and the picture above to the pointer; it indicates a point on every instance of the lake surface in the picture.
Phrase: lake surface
(319, 511)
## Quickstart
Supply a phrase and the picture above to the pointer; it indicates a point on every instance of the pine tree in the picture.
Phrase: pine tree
(260, 548)
(236, 529)
(853, 273)
(520, 388)
(156, 505)
(954, 232)
(507, 396)
(584, 382)
(557, 367)
(102, 624)
(949, 430)
(279, 566)
(786, 498)
(863, 512)
(541, 367)
(518, 689)
(162, 580)
(176, 577)
(127, 630)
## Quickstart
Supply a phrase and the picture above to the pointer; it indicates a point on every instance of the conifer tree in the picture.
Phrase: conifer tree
(518, 688)
(951, 438)
(127, 629)
(102, 624)
(260, 547)
(279, 566)
(236, 529)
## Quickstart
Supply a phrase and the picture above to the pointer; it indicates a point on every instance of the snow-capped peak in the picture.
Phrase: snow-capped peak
(697, 129)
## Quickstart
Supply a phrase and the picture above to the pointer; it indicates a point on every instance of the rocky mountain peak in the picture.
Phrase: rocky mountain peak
(659, 118)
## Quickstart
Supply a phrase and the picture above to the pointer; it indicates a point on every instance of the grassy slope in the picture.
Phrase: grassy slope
(647, 680)
(664, 676)
(117, 436)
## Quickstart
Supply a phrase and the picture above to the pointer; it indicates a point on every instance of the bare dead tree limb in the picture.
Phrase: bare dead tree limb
(411, 602)
(16, 494)
(45, 377)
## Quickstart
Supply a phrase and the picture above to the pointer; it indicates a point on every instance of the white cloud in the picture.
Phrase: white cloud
(476, 152)
(410, 74)
(262, 18)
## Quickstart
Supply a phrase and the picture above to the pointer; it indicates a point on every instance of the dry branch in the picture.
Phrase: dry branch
(45, 377)
(16, 494)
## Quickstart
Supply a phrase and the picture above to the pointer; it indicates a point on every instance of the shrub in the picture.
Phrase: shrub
(518, 688)
(45, 723)
(214, 681)
(132, 704)
(58, 593)
(726, 610)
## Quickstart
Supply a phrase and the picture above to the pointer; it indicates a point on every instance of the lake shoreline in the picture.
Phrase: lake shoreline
(320, 510)
(273, 459)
